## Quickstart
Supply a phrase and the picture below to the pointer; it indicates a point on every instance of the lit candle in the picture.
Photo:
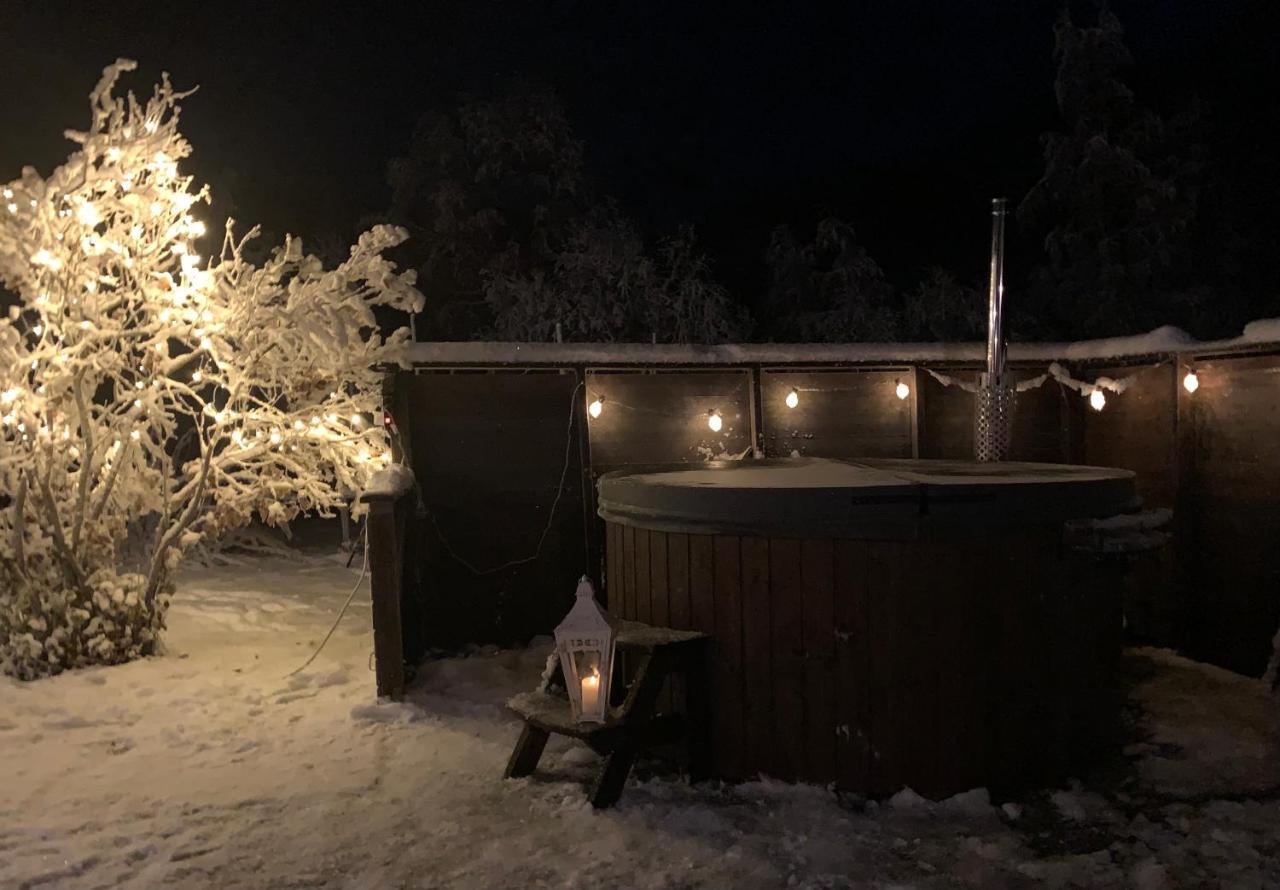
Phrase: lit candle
(591, 693)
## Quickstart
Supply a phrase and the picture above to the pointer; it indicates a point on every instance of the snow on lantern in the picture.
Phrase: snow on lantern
(584, 641)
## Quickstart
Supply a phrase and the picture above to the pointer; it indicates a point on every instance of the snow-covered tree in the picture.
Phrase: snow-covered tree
(151, 396)
(1114, 203)
(828, 289)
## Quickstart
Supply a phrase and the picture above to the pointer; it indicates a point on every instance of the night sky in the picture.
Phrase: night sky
(903, 117)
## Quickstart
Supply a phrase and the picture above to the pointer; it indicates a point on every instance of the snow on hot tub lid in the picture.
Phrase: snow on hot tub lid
(877, 497)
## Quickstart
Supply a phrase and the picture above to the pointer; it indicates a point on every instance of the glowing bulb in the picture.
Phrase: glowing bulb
(299, 425)
(1097, 401)
(88, 215)
(151, 127)
(793, 399)
(196, 376)
(902, 390)
(275, 437)
(8, 193)
(1191, 382)
(113, 154)
(596, 407)
(135, 435)
(13, 208)
(363, 455)
(714, 421)
(156, 208)
(357, 421)
(195, 228)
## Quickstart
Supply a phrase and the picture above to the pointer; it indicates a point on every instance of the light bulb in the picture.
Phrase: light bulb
(902, 390)
(596, 407)
(793, 399)
(1097, 401)
(88, 215)
(714, 421)
(1191, 382)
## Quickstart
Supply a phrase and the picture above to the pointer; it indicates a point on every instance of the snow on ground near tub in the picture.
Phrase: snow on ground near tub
(211, 767)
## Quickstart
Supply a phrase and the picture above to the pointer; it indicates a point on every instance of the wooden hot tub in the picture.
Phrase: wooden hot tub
(884, 623)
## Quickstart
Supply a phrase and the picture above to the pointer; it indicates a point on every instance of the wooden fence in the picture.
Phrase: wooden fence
(501, 440)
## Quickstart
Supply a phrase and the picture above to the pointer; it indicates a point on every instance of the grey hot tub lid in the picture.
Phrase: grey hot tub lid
(810, 497)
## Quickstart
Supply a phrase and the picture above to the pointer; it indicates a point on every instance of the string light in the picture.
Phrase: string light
(901, 390)
(714, 421)
(1097, 401)
(1191, 382)
(596, 407)
(793, 399)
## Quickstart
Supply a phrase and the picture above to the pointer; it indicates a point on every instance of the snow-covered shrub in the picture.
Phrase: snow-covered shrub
(148, 393)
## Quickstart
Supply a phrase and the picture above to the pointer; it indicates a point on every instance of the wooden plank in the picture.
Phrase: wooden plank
(787, 656)
(726, 676)
(853, 658)
(678, 581)
(659, 593)
(628, 572)
(702, 574)
(817, 567)
(659, 417)
(643, 608)
(915, 689)
(384, 584)
(757, 674)
(884, 587)
(840, 414)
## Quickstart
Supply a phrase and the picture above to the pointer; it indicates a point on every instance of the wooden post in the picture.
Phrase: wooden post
(384, 578)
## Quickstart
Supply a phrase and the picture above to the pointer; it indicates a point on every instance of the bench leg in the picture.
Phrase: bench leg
(613, 776)
(524, 759)
(698, 720)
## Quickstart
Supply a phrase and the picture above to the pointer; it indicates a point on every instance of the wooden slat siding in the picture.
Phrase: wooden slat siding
(1038, 431)
(659, 417)
(659, 613)
(629, 572)
(702, 583)
(916, 727)
(612, 562)
(1232, 490)
(817, 566)
(757, 665)
(841, 414)
(947, 417)
(787, 658)
(726, 677)
(884, 588)
(678, 581)
(643, 609)
(853, 658)
(964, 635)
(488, 451)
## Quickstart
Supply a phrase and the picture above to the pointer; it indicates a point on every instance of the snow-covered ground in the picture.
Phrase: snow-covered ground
(211, 767)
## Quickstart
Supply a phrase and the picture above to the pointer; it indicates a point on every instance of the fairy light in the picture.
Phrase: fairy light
(88, 215)
(1097, 401)
(901, 390)
(596, 408)
(714, 420)
(1191, 382)
(793, 399)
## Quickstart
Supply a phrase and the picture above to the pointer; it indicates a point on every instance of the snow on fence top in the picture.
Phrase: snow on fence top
(1167, 339)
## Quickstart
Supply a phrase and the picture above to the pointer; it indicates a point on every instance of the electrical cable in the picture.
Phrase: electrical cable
(364, 570)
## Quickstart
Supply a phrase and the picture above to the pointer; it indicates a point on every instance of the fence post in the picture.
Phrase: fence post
(383, 528)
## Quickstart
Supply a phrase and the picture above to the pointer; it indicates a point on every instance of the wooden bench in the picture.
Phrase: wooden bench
(649, 655)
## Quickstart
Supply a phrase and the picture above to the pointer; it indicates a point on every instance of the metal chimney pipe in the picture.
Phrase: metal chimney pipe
(994, 403)
(995, 295)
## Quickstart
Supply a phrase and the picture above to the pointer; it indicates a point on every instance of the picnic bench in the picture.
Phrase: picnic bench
(641, 716)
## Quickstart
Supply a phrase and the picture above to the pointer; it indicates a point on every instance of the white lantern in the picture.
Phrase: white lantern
(584, 641)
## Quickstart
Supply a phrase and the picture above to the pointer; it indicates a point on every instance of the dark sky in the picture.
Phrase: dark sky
(904, 117)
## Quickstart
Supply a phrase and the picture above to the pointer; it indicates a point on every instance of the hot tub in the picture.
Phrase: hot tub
(881, 623)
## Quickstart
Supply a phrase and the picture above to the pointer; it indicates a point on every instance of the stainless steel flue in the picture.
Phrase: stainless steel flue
(994, 404)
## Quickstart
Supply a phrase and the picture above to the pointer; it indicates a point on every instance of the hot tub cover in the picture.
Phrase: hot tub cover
(812, 497)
